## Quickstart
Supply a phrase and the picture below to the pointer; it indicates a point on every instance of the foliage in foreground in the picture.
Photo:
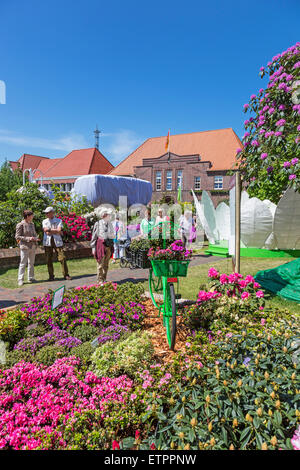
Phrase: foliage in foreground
(247, 399)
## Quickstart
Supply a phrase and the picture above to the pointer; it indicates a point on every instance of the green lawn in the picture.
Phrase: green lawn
(77, 267)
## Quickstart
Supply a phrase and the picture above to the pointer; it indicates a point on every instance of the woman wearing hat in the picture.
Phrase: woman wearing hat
(52, 227)
(102, 243)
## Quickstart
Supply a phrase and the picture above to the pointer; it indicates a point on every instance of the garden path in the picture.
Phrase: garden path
(12, 297)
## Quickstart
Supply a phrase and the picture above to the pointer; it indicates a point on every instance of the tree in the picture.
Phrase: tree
(270, 159)
(9, 180)
(11, 212)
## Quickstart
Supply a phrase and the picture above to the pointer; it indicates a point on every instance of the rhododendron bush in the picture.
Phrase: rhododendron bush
(75, 228)
(270, 159)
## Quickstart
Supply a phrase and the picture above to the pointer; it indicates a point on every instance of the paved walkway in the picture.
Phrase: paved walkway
(11, 297)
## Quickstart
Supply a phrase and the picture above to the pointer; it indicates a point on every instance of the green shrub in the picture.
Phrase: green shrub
(12, 324)
(123, 357)
(34, 330)
(48, 354)
(84, 352)
(13, 357)
(247, 399)
(86, 332)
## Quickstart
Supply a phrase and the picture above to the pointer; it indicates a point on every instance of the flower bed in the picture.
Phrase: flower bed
(86, 377)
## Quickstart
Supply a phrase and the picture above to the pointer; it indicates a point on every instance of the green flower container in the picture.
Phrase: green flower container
(170, 268)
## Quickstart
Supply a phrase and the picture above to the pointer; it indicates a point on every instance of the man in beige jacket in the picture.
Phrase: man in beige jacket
(27, 238)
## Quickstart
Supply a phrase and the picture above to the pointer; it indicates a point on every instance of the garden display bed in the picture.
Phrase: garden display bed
(102, 357)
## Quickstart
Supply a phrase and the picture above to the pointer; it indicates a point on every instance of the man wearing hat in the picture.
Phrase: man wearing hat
(52, 227)
(102, 243)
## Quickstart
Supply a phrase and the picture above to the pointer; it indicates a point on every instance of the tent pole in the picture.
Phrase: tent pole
(237, 254)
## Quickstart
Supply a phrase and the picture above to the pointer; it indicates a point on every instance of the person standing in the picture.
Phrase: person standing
(119, 234)
(147, 223)
(186, 224)
(27, 238)
(52, 227)
(102, 243)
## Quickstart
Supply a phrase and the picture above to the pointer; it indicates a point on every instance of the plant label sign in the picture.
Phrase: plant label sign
(58, 297)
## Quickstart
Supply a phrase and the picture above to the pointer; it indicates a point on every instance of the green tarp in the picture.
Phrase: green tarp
(283, 280)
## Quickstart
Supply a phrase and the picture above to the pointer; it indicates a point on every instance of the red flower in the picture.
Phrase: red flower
(152, 447)
(115, 445)
(137, 435)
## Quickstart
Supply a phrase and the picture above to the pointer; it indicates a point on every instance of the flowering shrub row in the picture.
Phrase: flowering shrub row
(36, 401)
(75, 228)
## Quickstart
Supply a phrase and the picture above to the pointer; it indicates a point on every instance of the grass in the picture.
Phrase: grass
(77, 267)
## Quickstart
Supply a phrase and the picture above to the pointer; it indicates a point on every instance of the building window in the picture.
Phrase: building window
(63, 186)
(179, 179)
(197, 182)
(218, 182)
(169, 180)
(158, 181)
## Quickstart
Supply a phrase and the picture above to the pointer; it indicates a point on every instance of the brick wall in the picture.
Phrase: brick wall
(10, 257)
(192, 166)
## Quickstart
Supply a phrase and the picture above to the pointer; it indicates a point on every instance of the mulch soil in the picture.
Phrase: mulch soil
(153, 324)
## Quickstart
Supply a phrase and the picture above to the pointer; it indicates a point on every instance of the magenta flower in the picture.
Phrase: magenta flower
(264, 156)
(294, 161)
(292, 177)
(281, 122)
(287, 164)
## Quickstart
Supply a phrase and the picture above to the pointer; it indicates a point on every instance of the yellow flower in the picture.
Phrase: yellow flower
(207, 398)
(194, 382)
(181, 435)
(249, 418)
(270, 413)
(187, 447)
(212, 441)
(272, 394)
(252, 373)
(209, 427)
(235, 423)
(224, 383)
(193, 422)
(240, 383)
(178, 417)
(277, 404)
(172, 445)
(297, 413)
(293, 376)
(183, 399)
(266, 375)
(259, 412)
(284, 349)
(264, 446)
(273, 441)
(171, 401)
(231, 447)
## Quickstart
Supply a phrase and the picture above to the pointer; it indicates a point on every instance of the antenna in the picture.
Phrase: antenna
(97, 132)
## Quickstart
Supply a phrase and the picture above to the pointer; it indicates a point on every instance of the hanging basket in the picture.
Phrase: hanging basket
(170, 268)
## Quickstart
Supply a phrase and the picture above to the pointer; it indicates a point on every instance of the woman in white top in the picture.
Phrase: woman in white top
(161, 217)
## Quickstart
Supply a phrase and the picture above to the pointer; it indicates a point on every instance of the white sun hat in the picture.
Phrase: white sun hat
(104, 210)
(49, 209)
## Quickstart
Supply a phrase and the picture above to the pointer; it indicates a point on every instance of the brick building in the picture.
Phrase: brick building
(198, 161)
(64, 171)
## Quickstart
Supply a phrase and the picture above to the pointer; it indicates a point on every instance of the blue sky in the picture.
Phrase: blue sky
(135, 68)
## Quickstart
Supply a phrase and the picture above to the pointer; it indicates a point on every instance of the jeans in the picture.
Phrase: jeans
(27, 259)
(118, 250)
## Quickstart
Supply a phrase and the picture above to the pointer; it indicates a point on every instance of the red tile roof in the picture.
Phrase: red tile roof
(27, 161)
(80, 162)
(217, 146)
(76, 163)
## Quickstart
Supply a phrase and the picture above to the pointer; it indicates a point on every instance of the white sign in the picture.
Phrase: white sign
(58, 297)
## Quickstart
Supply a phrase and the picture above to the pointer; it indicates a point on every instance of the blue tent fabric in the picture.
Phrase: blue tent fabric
(101, 189)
